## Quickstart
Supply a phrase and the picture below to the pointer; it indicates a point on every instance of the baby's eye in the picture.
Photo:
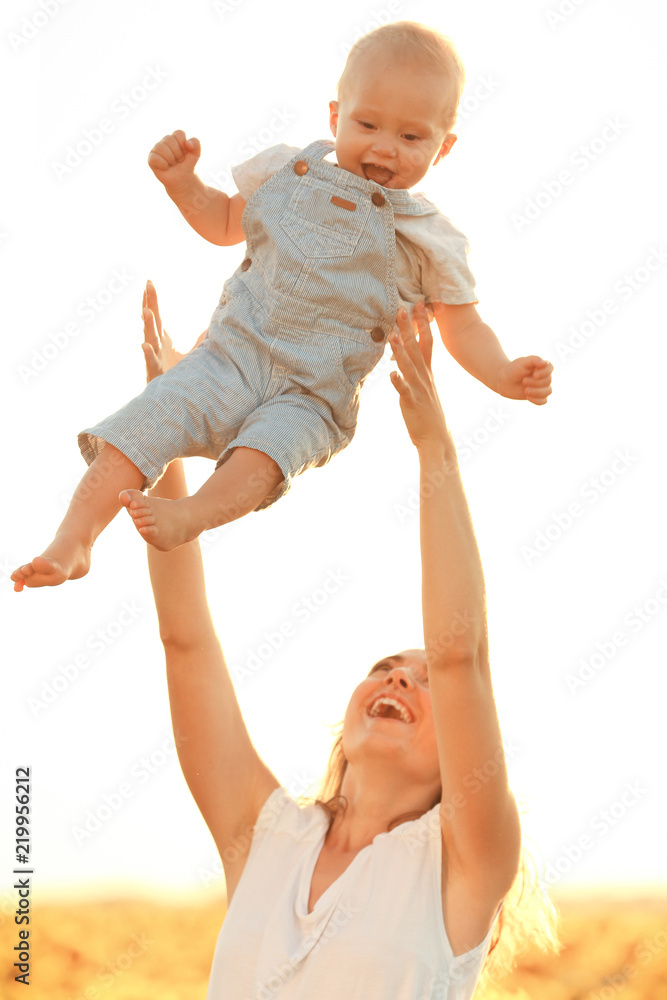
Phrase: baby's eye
(368, 125)
(410, 137)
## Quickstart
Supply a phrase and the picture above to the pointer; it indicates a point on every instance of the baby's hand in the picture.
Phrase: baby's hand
(173, 159)
(526, 378)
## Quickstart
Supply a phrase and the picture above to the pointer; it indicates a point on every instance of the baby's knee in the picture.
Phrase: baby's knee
(261, 466)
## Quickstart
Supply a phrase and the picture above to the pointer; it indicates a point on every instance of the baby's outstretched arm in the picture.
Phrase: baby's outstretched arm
(211, 213)
(475, 346)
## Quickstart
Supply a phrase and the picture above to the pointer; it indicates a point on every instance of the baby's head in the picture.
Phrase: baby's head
(397, 101)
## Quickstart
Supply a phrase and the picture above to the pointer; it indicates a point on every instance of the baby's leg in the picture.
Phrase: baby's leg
(94, 504)
(235, 489)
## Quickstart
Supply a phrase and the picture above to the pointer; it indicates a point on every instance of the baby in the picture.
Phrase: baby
(333, 250)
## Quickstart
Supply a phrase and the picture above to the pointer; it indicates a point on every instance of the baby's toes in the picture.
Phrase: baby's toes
(143, 518)
(131, 497)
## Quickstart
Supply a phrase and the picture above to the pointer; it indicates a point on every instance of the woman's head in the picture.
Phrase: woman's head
(388, 727)
(378, 743)
(397, 103)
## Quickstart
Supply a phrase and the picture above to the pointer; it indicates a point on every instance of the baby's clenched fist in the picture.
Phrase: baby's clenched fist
(173, 158)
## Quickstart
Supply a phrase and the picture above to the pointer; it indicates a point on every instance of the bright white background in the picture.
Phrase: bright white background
(540, 93)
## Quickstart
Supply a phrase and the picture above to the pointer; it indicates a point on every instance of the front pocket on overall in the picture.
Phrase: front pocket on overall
(320, 226)
(357, 360)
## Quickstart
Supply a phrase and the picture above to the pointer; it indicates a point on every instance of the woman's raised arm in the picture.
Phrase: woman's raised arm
(227, 777)
(479, 817)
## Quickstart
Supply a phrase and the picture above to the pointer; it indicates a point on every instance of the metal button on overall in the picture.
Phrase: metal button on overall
(246, 264)
(377, 333)
(300, 167)
(378, 199)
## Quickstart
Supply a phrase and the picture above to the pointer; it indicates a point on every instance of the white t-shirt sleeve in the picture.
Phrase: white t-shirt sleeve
(440, 252)
(252, 173)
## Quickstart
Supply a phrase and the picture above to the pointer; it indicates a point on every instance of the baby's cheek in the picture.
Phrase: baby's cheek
(415, 158)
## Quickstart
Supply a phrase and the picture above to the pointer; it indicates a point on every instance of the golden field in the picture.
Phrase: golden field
(141, 950)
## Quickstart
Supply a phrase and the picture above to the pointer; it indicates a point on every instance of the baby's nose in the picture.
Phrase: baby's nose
(385, 145)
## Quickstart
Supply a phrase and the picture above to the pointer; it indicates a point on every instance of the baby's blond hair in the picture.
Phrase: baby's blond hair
(410, 42)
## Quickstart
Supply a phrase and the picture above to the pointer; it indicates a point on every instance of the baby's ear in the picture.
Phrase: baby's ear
(446, 147)
(333, 116)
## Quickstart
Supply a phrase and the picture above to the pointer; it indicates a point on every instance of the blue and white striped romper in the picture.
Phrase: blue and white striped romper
(299, 325)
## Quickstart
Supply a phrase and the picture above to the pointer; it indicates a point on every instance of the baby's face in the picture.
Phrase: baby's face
(388, 123)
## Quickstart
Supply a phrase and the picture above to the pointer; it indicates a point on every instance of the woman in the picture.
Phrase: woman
(391, 890)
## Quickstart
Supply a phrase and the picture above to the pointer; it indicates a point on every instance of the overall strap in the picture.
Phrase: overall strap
(318, 149)
(402, 201)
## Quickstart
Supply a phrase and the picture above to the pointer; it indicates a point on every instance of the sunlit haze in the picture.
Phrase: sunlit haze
(557, 179)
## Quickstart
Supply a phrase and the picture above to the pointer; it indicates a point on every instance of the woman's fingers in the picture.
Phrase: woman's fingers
(153, 366)
(412, 352)
(402, 340)
(150, 331)
(151, 302)
(151, 295)
(420, 316)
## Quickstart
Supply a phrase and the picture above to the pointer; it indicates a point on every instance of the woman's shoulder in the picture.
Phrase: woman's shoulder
(418, 833)
(281, 813)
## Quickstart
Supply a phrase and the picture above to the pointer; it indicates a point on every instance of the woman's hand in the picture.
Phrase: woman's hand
(420, 405)
(159, 352)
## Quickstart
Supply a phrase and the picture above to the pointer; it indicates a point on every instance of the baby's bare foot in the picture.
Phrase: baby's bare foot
(164, 524)
(66, 558)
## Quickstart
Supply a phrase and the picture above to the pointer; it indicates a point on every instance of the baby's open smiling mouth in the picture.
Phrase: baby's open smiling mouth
(373, 172)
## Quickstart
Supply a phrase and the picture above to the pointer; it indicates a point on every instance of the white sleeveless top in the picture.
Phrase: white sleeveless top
(377, 933)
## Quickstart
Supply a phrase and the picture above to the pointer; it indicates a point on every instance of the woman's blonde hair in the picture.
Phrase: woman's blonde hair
(528, 916)
(410, 42)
